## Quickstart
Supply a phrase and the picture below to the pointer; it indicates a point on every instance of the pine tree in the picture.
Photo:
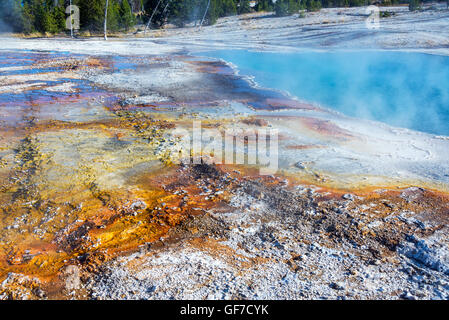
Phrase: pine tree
(293, 6)
(265, 5)
(113, 15)
(244, 7)
(92, 14)
(281, 8)
(126, 15)
(286, 7)
(312, 5)
(414, 5)
(49, 23)
(180, 12)
(41, 11)
(228, 8)
(60, 16)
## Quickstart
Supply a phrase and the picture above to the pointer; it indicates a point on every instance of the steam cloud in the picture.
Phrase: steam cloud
(402, 89)
(4, 28)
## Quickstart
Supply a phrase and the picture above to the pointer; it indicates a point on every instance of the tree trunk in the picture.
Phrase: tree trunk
(151, 18)
(106, 20)
(71, 20)
(205, 13)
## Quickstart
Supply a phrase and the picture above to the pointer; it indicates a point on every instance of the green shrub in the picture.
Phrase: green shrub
(286, 7)
(414, 5)
(313, 5)
(126, 15)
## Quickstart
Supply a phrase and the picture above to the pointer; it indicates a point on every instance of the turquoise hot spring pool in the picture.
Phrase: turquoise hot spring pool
(402, 89)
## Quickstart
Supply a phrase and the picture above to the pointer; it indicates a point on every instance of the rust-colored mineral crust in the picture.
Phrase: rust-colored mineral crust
(94, 163)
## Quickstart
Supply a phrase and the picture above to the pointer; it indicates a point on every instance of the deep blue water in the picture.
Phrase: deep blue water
(409, 90)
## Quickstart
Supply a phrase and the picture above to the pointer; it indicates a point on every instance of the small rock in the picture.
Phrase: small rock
(407, 296)
(389, 205)
(376, 262)
(72, 278)
(348, 196)
(300, 165)
(337, 286)
(38, 292)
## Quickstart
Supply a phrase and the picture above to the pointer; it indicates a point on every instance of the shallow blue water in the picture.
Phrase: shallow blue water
(409, 90)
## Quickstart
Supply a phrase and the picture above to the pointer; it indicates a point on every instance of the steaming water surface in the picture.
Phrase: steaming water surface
(403, 89)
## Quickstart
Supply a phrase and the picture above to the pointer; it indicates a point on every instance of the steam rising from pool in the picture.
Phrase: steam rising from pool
(403, 89)
(4, 28)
